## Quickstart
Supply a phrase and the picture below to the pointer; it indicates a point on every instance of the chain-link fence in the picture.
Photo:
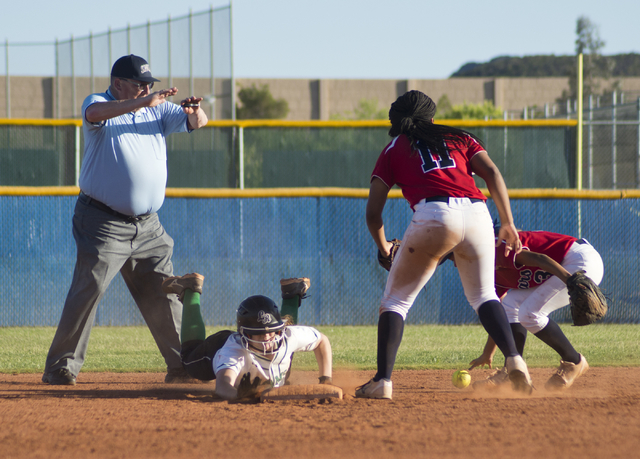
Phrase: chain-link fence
(245, 245)
(612, 145)
(39, 155)
(568, 108)
(246, 154)
(185, 48)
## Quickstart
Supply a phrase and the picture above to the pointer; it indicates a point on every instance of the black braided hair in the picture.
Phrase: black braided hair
(411, 114)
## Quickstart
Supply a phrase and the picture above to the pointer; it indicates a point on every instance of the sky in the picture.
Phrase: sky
(351, 39)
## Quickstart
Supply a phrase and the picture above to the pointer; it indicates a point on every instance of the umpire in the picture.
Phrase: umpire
(115, 224)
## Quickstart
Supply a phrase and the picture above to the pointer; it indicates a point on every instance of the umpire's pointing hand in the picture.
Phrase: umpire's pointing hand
(160, 97)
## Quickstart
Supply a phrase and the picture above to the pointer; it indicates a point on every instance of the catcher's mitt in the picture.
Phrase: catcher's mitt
(386, 262)
(588, 304)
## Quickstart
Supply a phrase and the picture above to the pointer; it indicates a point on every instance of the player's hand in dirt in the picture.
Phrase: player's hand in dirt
(481, 362)
(248, 389)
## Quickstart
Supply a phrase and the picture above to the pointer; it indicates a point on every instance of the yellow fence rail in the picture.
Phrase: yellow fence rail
(312, 123)
(532, 193)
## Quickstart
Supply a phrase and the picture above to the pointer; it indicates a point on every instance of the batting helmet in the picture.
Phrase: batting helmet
(259, 315)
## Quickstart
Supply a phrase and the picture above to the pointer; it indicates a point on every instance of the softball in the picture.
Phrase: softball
(461, 379)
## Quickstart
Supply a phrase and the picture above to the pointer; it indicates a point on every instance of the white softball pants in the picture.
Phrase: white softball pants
(531, 307)
(436, 229)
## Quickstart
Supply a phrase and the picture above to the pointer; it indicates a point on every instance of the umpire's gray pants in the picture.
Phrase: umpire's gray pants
(141, 252)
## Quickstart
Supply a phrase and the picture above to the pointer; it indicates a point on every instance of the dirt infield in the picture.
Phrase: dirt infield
(109, 415)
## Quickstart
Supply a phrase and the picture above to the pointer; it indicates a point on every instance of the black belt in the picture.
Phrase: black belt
(446, 199)
(105, 208)
(581, 241)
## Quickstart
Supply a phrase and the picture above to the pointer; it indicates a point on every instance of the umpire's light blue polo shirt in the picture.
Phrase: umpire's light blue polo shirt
(125, 158)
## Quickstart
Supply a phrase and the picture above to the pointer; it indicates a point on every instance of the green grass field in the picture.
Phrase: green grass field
(132, 349)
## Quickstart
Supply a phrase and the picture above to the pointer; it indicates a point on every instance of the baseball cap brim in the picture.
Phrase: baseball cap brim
(134, 68)
(146, 79)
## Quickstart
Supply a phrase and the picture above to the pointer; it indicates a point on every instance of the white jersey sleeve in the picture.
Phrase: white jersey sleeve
(302, 338)
(234, 356)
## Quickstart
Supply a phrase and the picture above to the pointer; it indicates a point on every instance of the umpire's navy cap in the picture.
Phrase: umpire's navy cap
(133, 67)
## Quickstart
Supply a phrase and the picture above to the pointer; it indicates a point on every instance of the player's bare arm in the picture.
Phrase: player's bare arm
(378, 193)
(102, 111)
(542, 261)
(487, 355)
(225, 384)
(324, 357)
(489, 172)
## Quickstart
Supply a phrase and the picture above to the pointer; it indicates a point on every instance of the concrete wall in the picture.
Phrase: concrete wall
(320, 99)
(303, 96)
(35, 97)
(30, 97)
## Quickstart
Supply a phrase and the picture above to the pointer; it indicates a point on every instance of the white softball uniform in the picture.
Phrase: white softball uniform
(531, 307)
(235, 356)
(437, 228)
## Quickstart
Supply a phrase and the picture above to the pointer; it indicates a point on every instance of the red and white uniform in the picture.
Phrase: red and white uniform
(531, 293)
(462, 223)
(423, 175)
(509, 275)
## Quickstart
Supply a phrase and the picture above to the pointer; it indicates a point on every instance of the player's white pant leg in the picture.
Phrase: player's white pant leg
(475, 254)
(552, 295)
(434, 230)
(542, 301)
(586, 258)
(511, 302)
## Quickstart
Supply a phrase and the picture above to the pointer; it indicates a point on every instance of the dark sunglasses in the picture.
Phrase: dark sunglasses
(140, 86)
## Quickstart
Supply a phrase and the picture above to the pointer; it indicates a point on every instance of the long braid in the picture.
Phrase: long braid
(411, 114)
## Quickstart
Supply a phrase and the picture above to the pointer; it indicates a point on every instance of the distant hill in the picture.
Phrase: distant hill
(624, 65)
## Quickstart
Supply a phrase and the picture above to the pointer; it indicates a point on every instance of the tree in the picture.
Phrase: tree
(259, 104)
(514, 66)
(595, 66)
(624, 65)
(367, 109)
(443, 105)
(466, 111)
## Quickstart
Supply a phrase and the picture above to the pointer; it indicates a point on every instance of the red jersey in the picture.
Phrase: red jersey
(509, 275)
(421, 174)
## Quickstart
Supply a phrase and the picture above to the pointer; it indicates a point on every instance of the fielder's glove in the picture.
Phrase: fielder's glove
(386, 262)
(588, 304)
(250, 390)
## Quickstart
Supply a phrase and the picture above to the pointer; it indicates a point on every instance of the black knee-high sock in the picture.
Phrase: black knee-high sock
(390, 329)
(495, 322)
(520, 337)
(553, 337)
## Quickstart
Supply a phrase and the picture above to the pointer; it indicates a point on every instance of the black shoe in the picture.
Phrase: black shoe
(59, 377)
(179, 377)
